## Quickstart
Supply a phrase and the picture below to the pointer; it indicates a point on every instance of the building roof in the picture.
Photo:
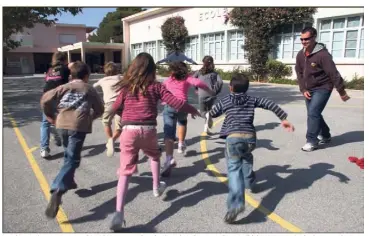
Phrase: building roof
(147, 13)
(89, 29)
(91, 45)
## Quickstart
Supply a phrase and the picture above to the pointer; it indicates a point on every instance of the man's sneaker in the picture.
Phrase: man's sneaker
(53, 206)
(117, 221)
(110, 147)
(167, 167)
(57, 140)
(231, 215)
(323, 140)
(208, 120)
(160, 190)
(181, 148)
(45, 152)
(309, 147)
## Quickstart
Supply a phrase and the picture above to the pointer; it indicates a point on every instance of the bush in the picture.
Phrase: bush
(356, 83)
(227, 75)
(277, 69)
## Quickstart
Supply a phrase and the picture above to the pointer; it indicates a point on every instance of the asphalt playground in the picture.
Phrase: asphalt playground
(296, 191)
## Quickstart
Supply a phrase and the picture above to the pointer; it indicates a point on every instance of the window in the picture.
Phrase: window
(13, 62)
(288, 41)
(162, 51)
(192, 48)
(136, 49)
(236, 41)
(67, 38)
(343, 37)
(213, 45)
(150, 47)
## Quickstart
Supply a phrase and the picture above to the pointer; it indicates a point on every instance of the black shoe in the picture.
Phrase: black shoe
(73, 185)
(57, 140)
(53, 206)
(323, 140)
(231, 215)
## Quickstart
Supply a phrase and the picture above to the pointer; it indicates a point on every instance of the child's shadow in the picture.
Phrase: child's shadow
(299, 179)
(93, 150)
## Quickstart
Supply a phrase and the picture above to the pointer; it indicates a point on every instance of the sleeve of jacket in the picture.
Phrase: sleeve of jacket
(330, 69)
(97, 103)
(50, 98)
(300, 74)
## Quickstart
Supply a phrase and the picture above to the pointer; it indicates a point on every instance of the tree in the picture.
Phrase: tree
(17, 18)
(174, 33)
(260, 24)
(111, 26)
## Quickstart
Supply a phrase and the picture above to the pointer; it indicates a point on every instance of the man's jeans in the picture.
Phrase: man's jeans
(46, 128)
(72, 142)
(240, 167)
(315, 122)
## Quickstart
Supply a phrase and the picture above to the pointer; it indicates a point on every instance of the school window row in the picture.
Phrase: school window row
(343, 37)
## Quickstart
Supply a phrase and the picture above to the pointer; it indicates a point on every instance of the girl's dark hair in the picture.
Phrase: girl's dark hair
(140, 74)
(59, 58)
(208, 65)
(179, 70)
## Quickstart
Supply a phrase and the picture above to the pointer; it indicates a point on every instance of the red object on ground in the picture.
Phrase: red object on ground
(359, 162)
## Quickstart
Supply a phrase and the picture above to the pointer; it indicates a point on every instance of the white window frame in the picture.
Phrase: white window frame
(206, 50)
(192, 41)
(150, 47)
(135, 50)
(344, 30)
(71, 41)
(239, 50)
(162, 51)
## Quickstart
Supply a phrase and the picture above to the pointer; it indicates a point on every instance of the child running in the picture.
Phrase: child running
(239, 131)
(74, 121)
(110, 95)
(138, 99)
(57, 75)
(206, 100)
(178, 84)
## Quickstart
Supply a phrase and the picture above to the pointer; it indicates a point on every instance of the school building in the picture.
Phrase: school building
(340, 29)
(39, 43)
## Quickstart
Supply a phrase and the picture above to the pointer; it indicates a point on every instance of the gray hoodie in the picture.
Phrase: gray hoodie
(212, 80)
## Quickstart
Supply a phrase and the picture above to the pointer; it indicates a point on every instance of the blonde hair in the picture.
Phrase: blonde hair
(110, 69)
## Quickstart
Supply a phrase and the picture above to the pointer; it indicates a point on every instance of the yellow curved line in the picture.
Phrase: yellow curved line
(271, 215)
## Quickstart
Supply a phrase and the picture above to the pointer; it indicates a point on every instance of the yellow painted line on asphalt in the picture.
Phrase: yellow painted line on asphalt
(271, 215)
(61, 217)
(32, 149)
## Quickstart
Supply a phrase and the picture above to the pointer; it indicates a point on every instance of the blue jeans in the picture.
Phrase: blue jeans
(72, 142)
(240, 167)
(315, 122)
(171, 117)
(46, 129)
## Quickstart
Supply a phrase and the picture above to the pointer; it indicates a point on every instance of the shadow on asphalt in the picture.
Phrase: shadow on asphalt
(299, 179)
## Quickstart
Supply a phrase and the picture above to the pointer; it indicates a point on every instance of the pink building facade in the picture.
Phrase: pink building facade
(38, 45)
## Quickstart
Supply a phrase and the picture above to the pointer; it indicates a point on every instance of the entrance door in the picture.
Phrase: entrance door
(26, 65)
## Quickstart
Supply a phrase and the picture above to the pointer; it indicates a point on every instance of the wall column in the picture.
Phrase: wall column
(83, 54)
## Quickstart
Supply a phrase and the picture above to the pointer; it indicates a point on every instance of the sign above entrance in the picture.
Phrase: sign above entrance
(213, 13)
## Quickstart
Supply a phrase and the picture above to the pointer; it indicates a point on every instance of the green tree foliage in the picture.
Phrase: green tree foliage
(111, 26)
(260, 24)
(174, 33)
(15, 19)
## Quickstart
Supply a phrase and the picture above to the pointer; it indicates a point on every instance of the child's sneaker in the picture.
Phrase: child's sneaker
(181, 148)
(167, 167)
(110, 147)
(160, 190)
(208, 121)
(45, 152)
(117, 221)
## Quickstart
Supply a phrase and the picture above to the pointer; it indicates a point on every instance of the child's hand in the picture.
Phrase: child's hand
(194, 115)
(288, 126)
(50, 120)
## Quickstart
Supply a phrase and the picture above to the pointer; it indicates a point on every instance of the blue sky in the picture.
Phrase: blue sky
(89, 17)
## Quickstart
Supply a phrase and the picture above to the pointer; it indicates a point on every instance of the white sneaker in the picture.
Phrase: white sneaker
(181, 148)
(110, 147)
(44, 153)
(117, 221)
(160, 190)
(208, 121)
(309, 147)
(168, 165)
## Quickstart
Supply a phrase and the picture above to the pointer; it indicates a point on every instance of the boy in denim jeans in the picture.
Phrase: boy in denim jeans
(74, 121)
(239, 132)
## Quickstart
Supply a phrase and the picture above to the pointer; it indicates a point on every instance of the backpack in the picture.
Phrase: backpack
(215, 86)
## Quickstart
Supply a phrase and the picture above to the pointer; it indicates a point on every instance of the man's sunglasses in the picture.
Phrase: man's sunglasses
(305, 39)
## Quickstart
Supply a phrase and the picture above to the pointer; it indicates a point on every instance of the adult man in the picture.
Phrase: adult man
(317, 75)
(177, 56)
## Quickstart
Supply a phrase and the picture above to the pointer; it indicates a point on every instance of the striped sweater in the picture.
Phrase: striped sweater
(239, 109)
(142, 110)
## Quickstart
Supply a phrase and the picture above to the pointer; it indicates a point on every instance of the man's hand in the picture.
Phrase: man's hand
(307, 95)
(345, 97)
(288, 126)
(50, 120)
